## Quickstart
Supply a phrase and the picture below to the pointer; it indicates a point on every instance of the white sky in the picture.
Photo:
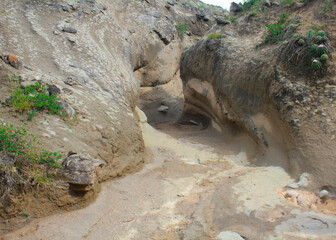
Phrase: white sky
(223, 3)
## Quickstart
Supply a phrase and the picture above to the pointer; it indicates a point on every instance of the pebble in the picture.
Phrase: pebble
(69, 30)
(163, 108)
(11, 58)
(324, 193)
(53, 89)
(17, 64)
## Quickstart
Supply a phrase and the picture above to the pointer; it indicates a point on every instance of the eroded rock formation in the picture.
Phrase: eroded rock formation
(98, 54)
(287, 109)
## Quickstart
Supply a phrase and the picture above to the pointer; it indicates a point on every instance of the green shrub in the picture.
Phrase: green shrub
(18, 142)
(28, 162)
(32, 98)
(214, 36)
(328, 5)
(249, 3)
(283, 2)
(301, 42)
(231, 19)
(274, 33)
(181, 29)
(283, 18)
(252, 5)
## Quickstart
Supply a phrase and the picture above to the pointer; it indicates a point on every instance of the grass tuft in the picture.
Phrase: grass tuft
(23, 160)
(28, 100)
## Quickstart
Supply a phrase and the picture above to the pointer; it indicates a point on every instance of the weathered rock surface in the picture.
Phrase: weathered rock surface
(97, 53)
(228, 80)
(81, 171)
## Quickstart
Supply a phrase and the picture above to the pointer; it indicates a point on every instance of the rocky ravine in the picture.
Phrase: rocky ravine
(106, 57)
(97, 53)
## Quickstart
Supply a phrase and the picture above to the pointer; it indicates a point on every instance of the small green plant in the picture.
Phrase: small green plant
(284, 2)
(283, 18)
(314, 48)
(322, 49)
(310, 51)
(309, 37)
(215, 36)
(275, 32)
(321, 33)
(296, 35)
(231, 19)
(324, 57)
(324, 39)
(25, 213)
(27, 162)
(18, 142)
(32, 98)
(181, 29)
(327, 5)
(316, 29)
(318, 39)
(301, 42)
(316, 64)
(253, 6)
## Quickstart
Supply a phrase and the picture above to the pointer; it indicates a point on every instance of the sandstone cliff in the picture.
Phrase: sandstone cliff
(286, 106)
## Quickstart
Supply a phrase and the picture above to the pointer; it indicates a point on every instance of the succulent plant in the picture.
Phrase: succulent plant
(318, 39)
(301, 42)
(321, 33)
(284, 42)
(324, 39)
(324, 57)
(310, 37)
(296, 36)
(322, 49)
(314, 48)
(316, 64)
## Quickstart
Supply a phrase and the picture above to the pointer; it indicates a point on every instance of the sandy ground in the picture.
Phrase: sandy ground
(196, 183)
